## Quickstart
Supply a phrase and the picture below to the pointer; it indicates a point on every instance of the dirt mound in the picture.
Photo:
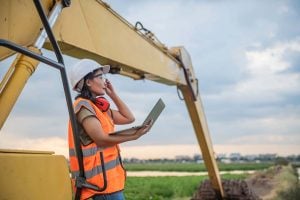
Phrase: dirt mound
(264, 183)
(234, 190)
(275, 183)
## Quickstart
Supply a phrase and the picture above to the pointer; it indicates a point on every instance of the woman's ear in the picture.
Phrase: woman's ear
(88, 82)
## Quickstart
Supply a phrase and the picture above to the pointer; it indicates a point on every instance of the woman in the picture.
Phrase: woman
(101, 154)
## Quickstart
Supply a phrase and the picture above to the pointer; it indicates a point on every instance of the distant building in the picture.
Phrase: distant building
(267, 157)
(235, 156)
(251, 158)
(183, 158)
(197, 157)
(221, 156)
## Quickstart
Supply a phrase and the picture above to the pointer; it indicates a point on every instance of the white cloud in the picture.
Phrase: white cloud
(271, 60)
(266, 138)
(266, 73)
(276, 127)
(267, 88)
(31, 126)
(267, 78)
(267, 61)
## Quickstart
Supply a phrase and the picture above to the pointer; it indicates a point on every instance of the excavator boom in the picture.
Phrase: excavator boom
(91, 29)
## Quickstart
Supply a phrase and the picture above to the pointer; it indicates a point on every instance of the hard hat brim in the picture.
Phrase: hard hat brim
(105, 68)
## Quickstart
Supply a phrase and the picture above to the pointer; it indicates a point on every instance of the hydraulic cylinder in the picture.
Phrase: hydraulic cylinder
(23, 69)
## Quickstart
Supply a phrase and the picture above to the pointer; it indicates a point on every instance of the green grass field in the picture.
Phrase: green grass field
(193, 167)
(175, 188)
(166, 188)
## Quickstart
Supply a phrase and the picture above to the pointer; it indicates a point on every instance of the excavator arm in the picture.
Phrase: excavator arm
(91, 29)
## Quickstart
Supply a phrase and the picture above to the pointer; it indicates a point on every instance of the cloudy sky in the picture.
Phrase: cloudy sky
(246, 55)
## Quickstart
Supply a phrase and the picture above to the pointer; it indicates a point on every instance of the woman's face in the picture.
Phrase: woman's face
(97, 83)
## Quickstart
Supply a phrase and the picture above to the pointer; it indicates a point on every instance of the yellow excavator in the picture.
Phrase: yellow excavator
(82, 29)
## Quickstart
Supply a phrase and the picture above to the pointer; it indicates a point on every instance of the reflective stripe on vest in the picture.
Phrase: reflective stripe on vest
(86, 152)
(98, 169)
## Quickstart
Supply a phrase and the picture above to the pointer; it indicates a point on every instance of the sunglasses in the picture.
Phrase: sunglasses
(100, 76)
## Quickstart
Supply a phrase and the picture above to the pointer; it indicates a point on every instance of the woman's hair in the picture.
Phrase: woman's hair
(85, 92)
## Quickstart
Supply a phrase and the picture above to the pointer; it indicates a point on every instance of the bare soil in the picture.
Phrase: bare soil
(264, 184)
(233, 189)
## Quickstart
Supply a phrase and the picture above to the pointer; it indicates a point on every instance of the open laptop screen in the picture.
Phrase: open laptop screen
(153, 115)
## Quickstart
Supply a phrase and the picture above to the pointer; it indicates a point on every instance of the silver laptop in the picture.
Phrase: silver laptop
(153, 115)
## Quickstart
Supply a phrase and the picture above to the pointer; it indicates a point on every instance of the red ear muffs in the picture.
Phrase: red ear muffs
(102, 104)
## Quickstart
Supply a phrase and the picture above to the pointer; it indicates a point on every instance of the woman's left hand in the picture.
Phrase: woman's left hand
(145, 128)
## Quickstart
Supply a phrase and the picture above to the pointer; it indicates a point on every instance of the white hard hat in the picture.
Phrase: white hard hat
(81, 69)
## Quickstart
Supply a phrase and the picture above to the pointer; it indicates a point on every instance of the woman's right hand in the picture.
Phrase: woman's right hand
(109, 89)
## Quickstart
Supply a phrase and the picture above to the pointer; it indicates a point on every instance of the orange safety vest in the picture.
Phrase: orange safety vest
(115, 173)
